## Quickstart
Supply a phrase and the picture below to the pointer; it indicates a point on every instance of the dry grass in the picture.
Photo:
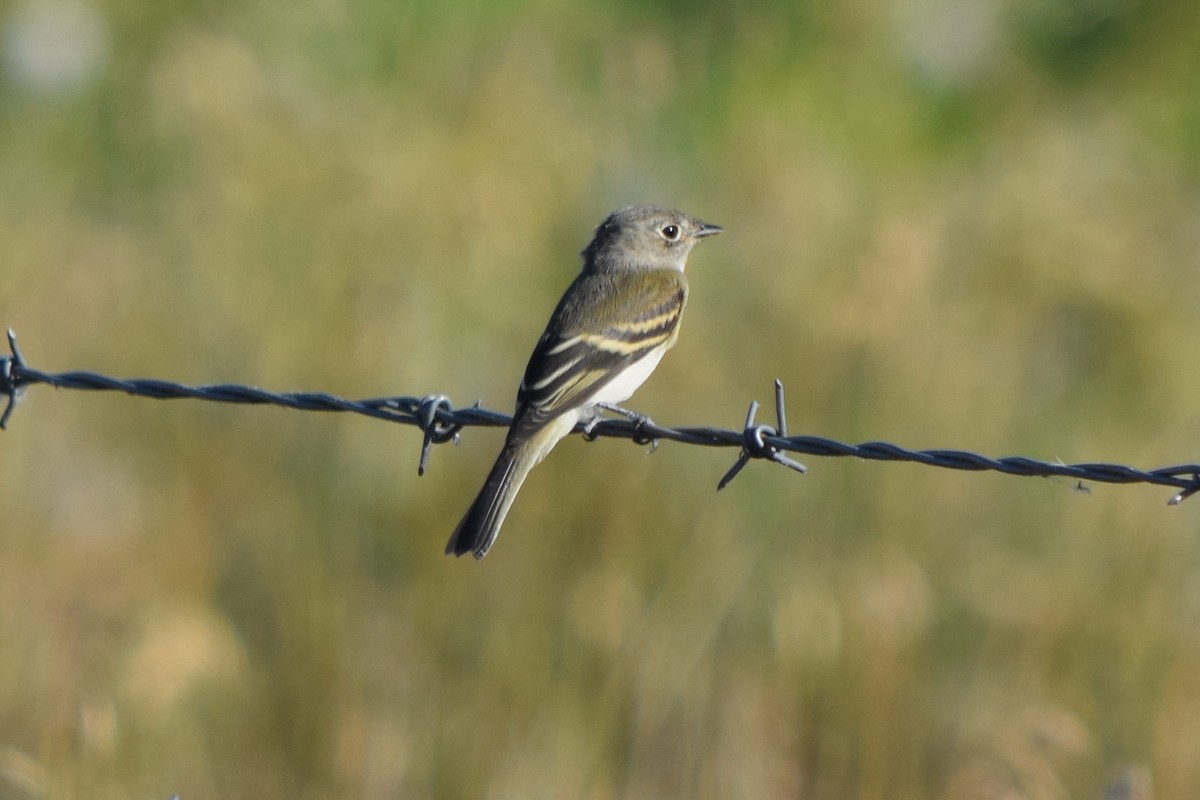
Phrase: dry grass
(949, 225)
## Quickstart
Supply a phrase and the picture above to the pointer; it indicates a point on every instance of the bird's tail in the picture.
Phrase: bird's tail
(477, 531)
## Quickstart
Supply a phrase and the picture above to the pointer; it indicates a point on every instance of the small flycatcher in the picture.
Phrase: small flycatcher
(608, 333)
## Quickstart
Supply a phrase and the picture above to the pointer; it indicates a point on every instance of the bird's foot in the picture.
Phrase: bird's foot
(640, 423)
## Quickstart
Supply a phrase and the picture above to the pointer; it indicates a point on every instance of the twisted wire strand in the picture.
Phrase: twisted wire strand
(440, 421)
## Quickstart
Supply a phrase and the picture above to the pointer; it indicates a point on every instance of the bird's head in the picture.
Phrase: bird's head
(645, 237)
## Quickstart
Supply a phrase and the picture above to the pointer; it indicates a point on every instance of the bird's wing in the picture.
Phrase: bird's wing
(604, 323)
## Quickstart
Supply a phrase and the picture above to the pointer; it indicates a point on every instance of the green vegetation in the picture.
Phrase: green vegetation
(948, 224)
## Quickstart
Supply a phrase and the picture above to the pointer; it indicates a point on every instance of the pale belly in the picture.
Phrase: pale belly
(624, 385)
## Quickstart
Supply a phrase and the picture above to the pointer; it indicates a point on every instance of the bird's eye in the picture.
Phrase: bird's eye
(670, 232)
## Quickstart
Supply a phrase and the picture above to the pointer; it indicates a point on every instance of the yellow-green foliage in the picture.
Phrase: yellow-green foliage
(948, 224)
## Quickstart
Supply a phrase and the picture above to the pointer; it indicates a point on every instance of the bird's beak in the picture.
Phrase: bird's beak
(707, 229)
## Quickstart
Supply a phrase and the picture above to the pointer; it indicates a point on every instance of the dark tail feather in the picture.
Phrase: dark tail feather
(479, 527)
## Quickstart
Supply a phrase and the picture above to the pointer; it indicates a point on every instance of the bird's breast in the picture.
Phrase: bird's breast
(624, 384)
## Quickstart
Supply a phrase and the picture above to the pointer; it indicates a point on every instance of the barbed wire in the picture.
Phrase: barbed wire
(441, 422)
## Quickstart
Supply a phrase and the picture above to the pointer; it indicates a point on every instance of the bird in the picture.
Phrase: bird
(607, 334)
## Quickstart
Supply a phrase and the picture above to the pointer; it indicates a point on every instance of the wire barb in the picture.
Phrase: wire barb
(755, 442)
(440, 422)
(1188, 492)
(435, 431)
(10, 377)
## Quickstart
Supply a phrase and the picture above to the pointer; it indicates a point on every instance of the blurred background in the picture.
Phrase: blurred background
(949, 223)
